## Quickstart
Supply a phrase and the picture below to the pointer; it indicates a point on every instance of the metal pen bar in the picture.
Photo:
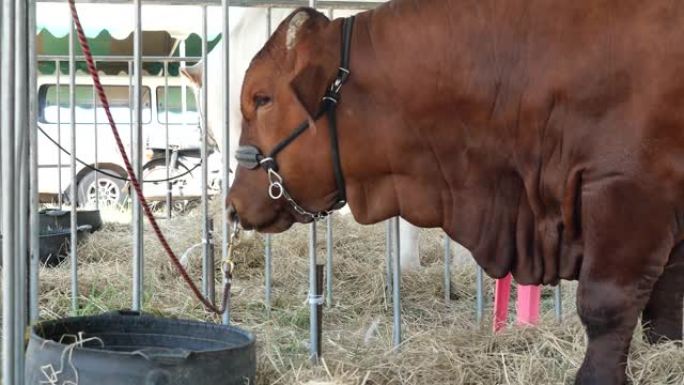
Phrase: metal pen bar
(73, 191)
(268, 240)
(130, 110)
(138, 250)
(328, 243)
(21, 123)
(447, 269)
(267, 274)
(388, 257)
(167, 152)
(479, 296)
(329, 261)
(313, 299)
(314, 354)
(207, 258)
(2, 6)
(558, 302)
(338, 4)
(225, 128)
(396, 287)
(97, 164)
(212, 283)
(34, 269)
(7, 163)
(184, 90)
(60, 198)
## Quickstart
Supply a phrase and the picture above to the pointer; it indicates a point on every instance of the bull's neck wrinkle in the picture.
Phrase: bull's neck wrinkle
(374, 137)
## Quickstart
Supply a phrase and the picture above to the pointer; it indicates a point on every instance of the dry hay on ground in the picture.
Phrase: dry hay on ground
(442, 344)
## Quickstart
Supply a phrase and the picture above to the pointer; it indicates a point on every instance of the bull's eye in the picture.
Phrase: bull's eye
(261, 100)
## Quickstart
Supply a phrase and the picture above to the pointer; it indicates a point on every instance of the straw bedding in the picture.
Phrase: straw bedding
(442, 342)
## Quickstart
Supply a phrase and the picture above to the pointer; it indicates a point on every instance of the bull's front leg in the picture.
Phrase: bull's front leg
(609, 312)
(627, 238)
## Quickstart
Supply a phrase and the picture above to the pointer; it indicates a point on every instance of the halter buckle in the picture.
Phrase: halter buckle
(340, 79)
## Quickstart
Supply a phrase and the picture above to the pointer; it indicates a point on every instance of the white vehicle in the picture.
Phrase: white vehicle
(96, 147)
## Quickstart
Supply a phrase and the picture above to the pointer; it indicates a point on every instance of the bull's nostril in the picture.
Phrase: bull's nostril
(232, 214)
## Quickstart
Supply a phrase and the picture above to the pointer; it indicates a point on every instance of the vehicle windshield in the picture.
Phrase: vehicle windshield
(177, 102)
(54, 104)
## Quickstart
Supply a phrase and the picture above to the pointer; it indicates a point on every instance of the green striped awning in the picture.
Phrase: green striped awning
(155, 43)
(110, 32)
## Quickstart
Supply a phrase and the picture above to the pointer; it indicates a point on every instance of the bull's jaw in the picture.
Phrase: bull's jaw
(278, 223)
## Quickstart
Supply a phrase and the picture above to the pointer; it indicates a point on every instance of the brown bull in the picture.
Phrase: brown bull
(545, 136)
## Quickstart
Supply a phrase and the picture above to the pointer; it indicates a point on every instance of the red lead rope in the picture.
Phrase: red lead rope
(134, 180)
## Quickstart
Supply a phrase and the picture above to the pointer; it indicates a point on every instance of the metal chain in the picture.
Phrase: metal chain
(276, 190)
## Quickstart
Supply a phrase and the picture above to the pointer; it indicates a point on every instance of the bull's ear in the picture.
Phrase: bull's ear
(309, 86)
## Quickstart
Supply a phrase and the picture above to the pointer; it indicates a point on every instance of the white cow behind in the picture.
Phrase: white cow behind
(248, 33)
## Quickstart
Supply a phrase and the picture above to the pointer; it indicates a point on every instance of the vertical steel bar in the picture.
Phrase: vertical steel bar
(329, 261)
(207, 261)
(34, 312)
(313, 298)
(74, 183)
(267, 273)
(21, 124)
(7, 133)
(130, 110)
(558, 302)
(97, 164)
(184, 90)
(328, 241)
(211, 293)
(388, 257)
(167, 152)
(225, 128)
(319, 309)
(60, 198)
(479, 296)
(447, 269)
(138, 257)
(2, 6)
(396, 287)
(269, 240)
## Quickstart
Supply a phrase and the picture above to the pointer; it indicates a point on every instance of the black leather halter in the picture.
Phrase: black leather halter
(251, 157)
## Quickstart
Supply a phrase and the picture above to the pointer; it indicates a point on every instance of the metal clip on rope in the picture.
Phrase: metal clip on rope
(228, 264)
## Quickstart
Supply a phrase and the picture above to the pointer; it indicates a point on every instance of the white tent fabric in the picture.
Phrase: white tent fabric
(179, 21)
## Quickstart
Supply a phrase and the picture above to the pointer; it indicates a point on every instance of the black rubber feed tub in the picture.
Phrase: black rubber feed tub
(53, 219)
(54, 245)
(129, 348)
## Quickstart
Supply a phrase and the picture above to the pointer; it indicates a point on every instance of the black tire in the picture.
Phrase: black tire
(178, 204)
(112, 193)
(161, 164)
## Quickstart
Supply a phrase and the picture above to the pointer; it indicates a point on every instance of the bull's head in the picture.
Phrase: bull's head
(283, 87)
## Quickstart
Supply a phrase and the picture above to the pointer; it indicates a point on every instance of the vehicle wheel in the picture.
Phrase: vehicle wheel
(111, 190)
(156, 170)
